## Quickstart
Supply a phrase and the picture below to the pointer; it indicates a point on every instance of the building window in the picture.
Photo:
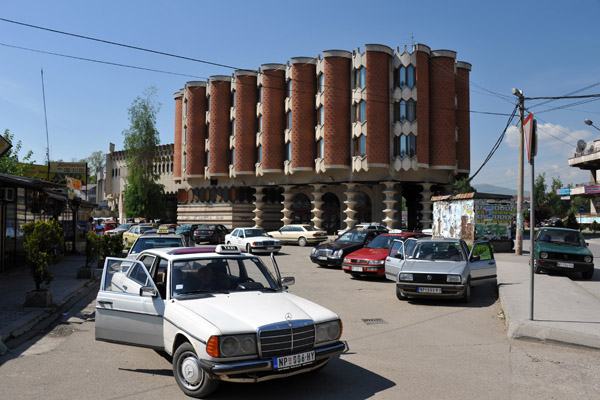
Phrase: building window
(360, 145)
(185, 102)
(404, 77)
(260, 123)
(321, 116)
(400, 111)
(260, 94)
(184, 161)
(359, 112)
(321, 148)
(208, 158)
(360, 78)
(288, 120)
(233, 156)
(260, 154)
(321, 83)
(412, 145)
(233, 96)
(288, 151)
(207, 130)
(411, 110)
(233, 127)
(185, 134)
(208, 104)
(410, 76)
(289, 88)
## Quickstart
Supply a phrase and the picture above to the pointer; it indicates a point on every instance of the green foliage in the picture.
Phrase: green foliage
(112, 246)
(9, 161)
(578, 201)
(595, 226)
(463, 186)
(96, 160)
(43, 244)
(144, 197)
(93, 248)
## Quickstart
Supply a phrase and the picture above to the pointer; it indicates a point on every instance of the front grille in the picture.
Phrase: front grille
(281, 339)
(267, 243)
(357, 261)
(324, 252)
(435, 278)
(566, 257)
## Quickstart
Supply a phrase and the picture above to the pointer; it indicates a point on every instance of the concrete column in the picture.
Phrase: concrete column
(287, 204)
(317, 204)
(258, 204)
(350, 204)
(390, 204)
(426, 221)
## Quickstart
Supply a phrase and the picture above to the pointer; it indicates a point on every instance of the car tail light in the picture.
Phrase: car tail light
(209, 232)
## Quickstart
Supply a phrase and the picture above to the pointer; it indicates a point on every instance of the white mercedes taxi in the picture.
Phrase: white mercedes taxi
(221, 314)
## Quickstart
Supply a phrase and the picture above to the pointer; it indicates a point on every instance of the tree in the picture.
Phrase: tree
(463, 186)
(144, 197)
(559, 207)
(43, 244)
(9, 161)
(96, 160)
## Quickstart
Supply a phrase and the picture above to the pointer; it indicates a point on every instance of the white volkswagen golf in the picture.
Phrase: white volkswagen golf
(221, 314)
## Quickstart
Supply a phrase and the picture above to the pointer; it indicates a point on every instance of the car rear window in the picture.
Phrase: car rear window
(154, 243)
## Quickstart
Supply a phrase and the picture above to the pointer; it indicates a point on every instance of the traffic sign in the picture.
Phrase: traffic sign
(530, 133)
(5, 145)
(581, 209)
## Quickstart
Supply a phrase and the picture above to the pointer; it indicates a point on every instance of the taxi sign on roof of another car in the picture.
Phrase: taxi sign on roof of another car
(227, 249)
(163, 230)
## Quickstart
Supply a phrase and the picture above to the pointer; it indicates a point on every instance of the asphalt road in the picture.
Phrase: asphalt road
(418, 350)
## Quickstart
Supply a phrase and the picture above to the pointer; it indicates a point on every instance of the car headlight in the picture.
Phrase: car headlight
(313, 251)
(238, 345)
(587, 259)
(347, 260)
(338, 254)
(375, 262)
(454, 279)
(543, 254)
(406, 277)
(328, 331)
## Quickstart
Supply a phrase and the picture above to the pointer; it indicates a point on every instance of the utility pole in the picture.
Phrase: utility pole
(519, 233)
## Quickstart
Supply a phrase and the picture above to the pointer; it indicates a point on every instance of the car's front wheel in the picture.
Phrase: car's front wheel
(467, 294)
(400, 295)
(248, 249)
(190, 376)
(588, 274)
(302, 241)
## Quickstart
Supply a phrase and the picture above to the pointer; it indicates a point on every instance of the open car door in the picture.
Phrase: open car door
(482, 263)
(394, 260)
(129, 309)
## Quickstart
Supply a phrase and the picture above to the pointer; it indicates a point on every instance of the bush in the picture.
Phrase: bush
(93, 248)
(43, 244)
(595, 226)
(572, 222)
(112, 246)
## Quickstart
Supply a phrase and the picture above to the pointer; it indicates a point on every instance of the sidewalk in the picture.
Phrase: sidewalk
(15, 320)
(563, 311)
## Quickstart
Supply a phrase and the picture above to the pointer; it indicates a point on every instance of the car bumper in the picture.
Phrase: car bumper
(265, 249)
(261, 370)
(327, 261)
(412, 289)
(364, 269)
(553, 265)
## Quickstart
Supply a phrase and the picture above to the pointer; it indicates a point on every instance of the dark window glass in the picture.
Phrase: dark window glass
(411, 111)
(410, 76)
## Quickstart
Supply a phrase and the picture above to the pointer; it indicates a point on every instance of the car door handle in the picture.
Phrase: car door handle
(492, 263)
(104, 302)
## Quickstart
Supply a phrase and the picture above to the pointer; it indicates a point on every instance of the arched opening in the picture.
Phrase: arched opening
(301, 209)
(331, 213)
(363, 207)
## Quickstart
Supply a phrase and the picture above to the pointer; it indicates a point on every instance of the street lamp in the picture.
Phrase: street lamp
(591, 123)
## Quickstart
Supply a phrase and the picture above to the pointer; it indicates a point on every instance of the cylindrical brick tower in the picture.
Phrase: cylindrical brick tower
(273, 114)
(423, 109)
(245, 121)
(220, 125)
(304, 86)
(337, 102)
(463, 119)
(177, 149)
(442, 138)
(378, 108)
(196, 128)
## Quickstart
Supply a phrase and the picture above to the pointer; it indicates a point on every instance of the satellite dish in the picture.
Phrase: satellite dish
(581, 145)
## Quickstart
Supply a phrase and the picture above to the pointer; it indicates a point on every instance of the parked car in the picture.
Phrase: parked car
(366, 225)
(120, 229)
(108, 226)
(253, 240)
(442, 268)
(134, 232)
(220, 315)
(210, 233)
(300, 234)
(162, 238)
(187, 230)
(370, 259)
(564, 250)
(333, 253)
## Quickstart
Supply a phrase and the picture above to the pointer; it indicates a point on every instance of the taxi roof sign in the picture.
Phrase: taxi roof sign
(227, 249)
(163, 230)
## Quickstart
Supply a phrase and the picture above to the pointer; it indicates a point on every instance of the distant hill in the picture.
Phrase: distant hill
(485, 188)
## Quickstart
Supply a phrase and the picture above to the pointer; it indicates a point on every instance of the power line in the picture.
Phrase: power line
(568, 94)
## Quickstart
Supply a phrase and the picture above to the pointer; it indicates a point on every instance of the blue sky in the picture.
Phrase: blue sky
(545, 48)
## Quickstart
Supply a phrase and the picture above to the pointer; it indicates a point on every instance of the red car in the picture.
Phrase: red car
(370, 260)
(108, 226)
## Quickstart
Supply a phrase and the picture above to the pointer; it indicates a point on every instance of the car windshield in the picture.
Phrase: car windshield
(255, 232)
(219, 275)
(145, 228)
(212, 227)
(353, 236)
(309, 228)
(124, 226)
(560, 236)
(144, 243)
(431, 250)
(382, 242)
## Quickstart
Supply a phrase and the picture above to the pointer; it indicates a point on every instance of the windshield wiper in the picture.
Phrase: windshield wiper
(197, 291)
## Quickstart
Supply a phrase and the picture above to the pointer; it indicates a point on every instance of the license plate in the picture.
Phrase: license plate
(359, 269)
(321, 258)
(429, 290)
(565, 265)
(295, 360)
(270, 248)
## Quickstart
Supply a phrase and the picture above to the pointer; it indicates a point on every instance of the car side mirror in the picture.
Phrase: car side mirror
(148, 291)
(288, 281)
(475, 258)
(399, 256)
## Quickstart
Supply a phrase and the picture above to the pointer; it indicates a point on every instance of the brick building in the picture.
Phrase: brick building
(333, 140)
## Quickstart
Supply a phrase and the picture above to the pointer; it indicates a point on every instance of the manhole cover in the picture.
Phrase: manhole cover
(373, 321)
